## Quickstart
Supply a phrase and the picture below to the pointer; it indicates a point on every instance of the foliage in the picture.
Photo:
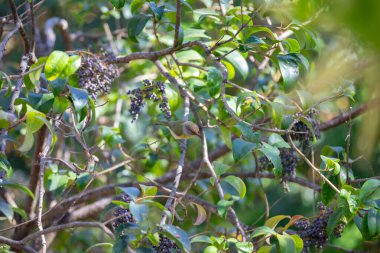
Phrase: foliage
(275, 88)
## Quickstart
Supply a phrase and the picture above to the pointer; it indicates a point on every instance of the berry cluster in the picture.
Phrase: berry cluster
(122, 213)
(166, 245)
(289, 160)
(96, 74)
(305, 135)
(154, 91)
(314, 234)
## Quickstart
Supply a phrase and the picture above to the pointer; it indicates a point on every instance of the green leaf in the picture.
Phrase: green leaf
(157, 10)
(57, 86)
(370, 190)
(372, 222)
(33, 123)
(55, 64)
(291, 45)
(28, 141)
(178, 235)
(148, 190)
(273, 154)
(201, 238)
(72, 66)
(273, 221)
(139, 211)
(277, 112)
(222, 207)
(6, 210)
(17, 186)
(298, 242)
(327, 192)
(41, 102)
(236, 59)
(289, 70)
(277, 141)
(247, 132)
(236, 183)
(254, 40)
(60, 104)
(118, 4)
(331, 164)
(334, 220)
(79, 96)
(241, 148)
(120, 244)
(286, 243)
(264, 230)
(214, 81)
(136, 25)
(34, 77)
(5, 165)
(132, 192)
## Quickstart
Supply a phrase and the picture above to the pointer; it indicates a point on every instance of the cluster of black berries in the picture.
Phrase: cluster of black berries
(314, 233)
(166, 245)
(305, 135)
(289, 160)
(122, 213)
(96, 74)
(154, 91)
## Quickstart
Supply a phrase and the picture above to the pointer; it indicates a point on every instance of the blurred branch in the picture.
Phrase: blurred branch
(21, 29)
(338, 120)
(177, 24)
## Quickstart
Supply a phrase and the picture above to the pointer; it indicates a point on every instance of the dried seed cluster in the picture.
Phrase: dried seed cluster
(289, 160)
(166, 245)
(313, 233)
(305, 139)
(154, 91)
(96, 74)
(122, 213)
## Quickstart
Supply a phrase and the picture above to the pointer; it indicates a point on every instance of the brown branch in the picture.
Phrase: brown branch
(21, 29)
(177, 24)
(338, 120)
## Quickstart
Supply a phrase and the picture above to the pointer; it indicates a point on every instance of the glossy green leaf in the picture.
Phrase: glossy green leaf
(61, 104)
(327, 192)
(241, 148)
(236, 59)
(334, 220)
(5, 165)
(41, 102)
(139, 211)
(79, 97)
(273, 154)
(235, 182)
(55, 64)
(264, 230)
(289, 70)
(132, 192)
(277, 141)
(118, 4)
(33, 123)
(248, 132)
(57, 86)
(28, 142)
(72, 66)
(331, 164)
(201, 238)
(148, 190)
(214, 81)
(222, 207)
(136, 25)
(298, 243)
(178, 235)
(370, 190)
(286, 243)
(273, 221)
